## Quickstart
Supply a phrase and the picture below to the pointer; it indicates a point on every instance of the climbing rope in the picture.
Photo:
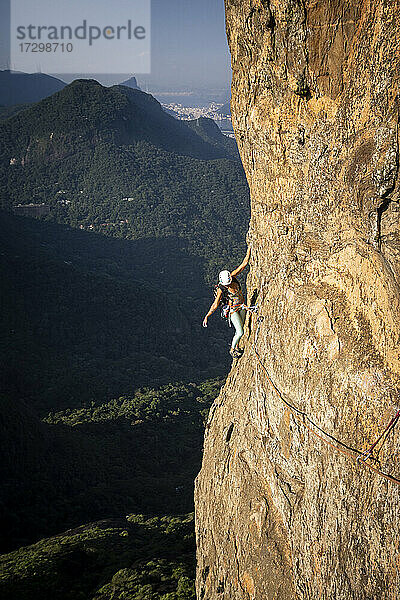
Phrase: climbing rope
(391, 425)
(357, 456)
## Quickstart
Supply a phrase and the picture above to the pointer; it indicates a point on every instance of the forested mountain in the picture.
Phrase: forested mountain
(22, 88)
(111, 160)
(136, 453)
(209, 131)
(130, 558)
(85, 110)
(8, 111)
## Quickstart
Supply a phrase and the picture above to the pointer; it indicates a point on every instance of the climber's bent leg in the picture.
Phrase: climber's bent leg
(238, 318)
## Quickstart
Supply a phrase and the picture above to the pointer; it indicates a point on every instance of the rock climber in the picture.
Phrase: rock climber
(229, 285)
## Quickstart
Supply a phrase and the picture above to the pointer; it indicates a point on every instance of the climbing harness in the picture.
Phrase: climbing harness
(227, 298)
(308, 423)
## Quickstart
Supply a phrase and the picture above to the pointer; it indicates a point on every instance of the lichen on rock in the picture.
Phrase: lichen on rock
(280, 513)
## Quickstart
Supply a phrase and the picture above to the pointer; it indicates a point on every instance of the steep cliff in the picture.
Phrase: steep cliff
(280, 512)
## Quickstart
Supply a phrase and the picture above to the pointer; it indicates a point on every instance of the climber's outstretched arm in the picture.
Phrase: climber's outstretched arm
(244, 264)
(213, 307)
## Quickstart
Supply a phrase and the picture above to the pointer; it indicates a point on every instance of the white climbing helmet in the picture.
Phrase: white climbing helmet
(225, 278)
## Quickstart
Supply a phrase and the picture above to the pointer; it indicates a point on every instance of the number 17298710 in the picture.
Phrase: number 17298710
(45, 47)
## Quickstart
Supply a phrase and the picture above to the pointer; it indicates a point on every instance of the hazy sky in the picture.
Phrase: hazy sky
(189, 47)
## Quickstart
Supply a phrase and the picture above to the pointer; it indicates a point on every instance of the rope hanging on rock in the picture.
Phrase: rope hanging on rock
(309, 424)
(391, 425)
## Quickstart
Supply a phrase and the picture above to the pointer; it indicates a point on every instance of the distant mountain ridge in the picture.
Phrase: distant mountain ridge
(118, 114)
(24, 88)
(209, 131)
(132, 83)
(97, 155)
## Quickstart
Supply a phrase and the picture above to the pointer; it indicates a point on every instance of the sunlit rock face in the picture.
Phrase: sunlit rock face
(281, 513)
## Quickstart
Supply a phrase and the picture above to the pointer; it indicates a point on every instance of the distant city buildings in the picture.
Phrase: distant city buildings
(211, 111)
(187, 113)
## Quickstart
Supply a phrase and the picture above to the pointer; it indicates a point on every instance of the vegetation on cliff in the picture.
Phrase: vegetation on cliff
(136, 453)
(136, 558)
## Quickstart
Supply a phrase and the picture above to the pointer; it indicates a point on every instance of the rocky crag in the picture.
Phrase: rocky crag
(280, 512)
